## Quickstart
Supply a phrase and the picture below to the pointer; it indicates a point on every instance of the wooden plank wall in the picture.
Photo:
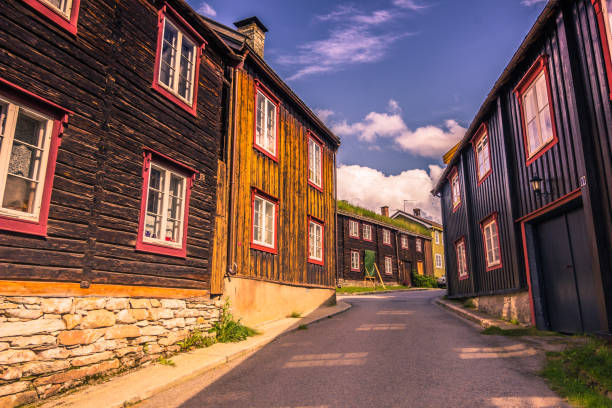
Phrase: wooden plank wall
(286, 180)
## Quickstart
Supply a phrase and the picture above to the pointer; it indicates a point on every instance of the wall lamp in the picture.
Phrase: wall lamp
(536, 185)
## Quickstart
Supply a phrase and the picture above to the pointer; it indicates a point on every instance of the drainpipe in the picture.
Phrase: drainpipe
(397, 255)
(231, 163)
(336, 218)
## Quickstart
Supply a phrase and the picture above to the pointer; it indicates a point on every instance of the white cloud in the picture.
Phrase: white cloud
(375, 189)
(409, 4)
(428, 141)
(530, 3)
(324, 114)
(207, 10)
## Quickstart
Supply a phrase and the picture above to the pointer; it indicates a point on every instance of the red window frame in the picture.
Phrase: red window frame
(322, 224)
(482, 131)
(314, 138)
(493, 218)
(255, 192)
(350, 234)
(541, 64)
(402, 238)
(190, 176)
(363, 233)
(69, 25)
(358, 261)
(391, 258)
(60, 119)
(167, 12)
(605, 32)
(454, 173)
(461, 241)
(259, 87)
(383, 237)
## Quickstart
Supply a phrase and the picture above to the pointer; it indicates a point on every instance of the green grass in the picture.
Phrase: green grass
(469, 303)
(360, 289)
(582, 374)
(196, 339)
(295, 315)
(165, 361)
(302, 327)
(229, 330)
(416, 228)
(527, 331)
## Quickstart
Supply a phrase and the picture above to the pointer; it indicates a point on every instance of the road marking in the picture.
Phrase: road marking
(326, 360)
(377, 327)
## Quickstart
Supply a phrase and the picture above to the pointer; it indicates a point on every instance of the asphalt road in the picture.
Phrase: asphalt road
(389, 350)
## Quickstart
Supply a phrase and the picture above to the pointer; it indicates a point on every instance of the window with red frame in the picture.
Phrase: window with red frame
(265, 211)
(419, 245)
(64, 13)
(462, 269)
(535, 102)
(603, 9)
(353, 229)
(490, 236)
(165, 206)
(483, 154)
(355, 263)
(404, 242)
(315, 241)
(315, 162)
(265, 122)
(386, 237)
(179, 50)
(367, 232)
(30, 129)
(455, 189)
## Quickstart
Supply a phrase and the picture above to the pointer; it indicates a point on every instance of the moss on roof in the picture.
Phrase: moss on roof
(412, 227)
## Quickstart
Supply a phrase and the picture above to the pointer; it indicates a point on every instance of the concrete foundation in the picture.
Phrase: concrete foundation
(514, 306)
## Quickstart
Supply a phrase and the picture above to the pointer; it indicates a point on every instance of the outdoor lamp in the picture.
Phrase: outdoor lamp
(536, 184)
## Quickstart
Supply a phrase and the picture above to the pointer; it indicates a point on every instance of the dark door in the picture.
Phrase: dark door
(406, 280)
(567, 281)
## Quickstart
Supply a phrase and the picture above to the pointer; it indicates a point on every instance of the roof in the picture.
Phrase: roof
(519, 56)
(416, 218)
(381, 223)
(250, 20)
(449, 155)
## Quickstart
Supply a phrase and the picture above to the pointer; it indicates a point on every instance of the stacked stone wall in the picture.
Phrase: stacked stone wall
(49, 344)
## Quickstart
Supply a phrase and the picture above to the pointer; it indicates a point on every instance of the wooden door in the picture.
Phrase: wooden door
(420, 267)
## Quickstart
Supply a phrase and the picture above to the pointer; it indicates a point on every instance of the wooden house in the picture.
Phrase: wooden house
(527, 196)
(401, 250)
(277, 187)
(108, 165)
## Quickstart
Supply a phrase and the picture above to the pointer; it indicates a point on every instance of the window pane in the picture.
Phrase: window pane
(532, 134)
(269, 223)
(169, 51)
(546, 125)
(271, 125)
(153, 226)
(186, 68)
(257, 220)
(261, 119)
(541, 92)
(529, 101)
(155, 199)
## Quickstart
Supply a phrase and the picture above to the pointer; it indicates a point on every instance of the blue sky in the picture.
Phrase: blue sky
(397, 80)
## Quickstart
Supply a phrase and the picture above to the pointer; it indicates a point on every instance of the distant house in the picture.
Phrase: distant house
(527, 195)
(401, 249)
(437, 235)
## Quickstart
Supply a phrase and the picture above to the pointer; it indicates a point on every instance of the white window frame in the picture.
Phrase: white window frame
(437, 236)
(461, 259)
(404, 241)
(164, 211)
(9, 113)
(438, 261)
(317, 242)
(386, 237)
(388, 265)
(353, 229)
(367, 232)
(491, 243)
(531, 90)
(315, 162)
(419, 245)
(64, 10)
(264, 200)
(355, 261)
(483, 155)
(263, 135)
(455, 190)
(174, 89)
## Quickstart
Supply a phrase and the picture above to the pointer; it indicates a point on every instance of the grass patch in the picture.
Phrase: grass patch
(527, 331)
(582, 374)
(295, 315)
(196, 339)
(361, 289)
(469, 303)
(424, 281)
(165, 361)
(302, 327)
(229, 330)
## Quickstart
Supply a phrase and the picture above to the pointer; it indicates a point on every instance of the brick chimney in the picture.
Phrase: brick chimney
(384, 211)
(255, 32)
(417, 212)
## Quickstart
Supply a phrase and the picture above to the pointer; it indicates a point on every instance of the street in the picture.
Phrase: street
(388, 350)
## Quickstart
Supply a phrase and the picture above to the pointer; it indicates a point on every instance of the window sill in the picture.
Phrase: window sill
(23, 226)
(265, 152)
(69, 25)
(313, 185)
(316, 262)
(264, 248)
(191, 109)
(159, 249)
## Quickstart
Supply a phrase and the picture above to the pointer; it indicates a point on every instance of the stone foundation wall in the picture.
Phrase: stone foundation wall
(515, 306)
(49, 344)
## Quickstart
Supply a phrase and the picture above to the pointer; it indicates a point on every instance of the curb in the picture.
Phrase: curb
(458, 310)
(387, 291)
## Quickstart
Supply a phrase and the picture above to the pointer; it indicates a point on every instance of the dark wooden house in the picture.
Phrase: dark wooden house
(400, 252)
(277, 186)
(527, 196)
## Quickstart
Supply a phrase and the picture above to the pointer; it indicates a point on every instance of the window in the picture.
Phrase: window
(404, 242)
(179, 48)
(490, 236)
(603, 10)
(437, 236)
(64, 13)
(438, 261)
(461, 259)
(419, 245)
(30, 130)
(455, 189)
(355, 264)
(265, 212)
(315, 241)
(386, 237)
(265, 122)
(315, 163)
(367, 232)
(353, 229)
(483, 153)
(533, 93)
(165, 206)
(388, 265)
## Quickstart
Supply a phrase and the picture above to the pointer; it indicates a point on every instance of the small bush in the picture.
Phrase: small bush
(528, 331)
(165, 361)
(229, 330)
(469, 303)
(302, 327)
(423, 281)
(196, 339)
(295, 315)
